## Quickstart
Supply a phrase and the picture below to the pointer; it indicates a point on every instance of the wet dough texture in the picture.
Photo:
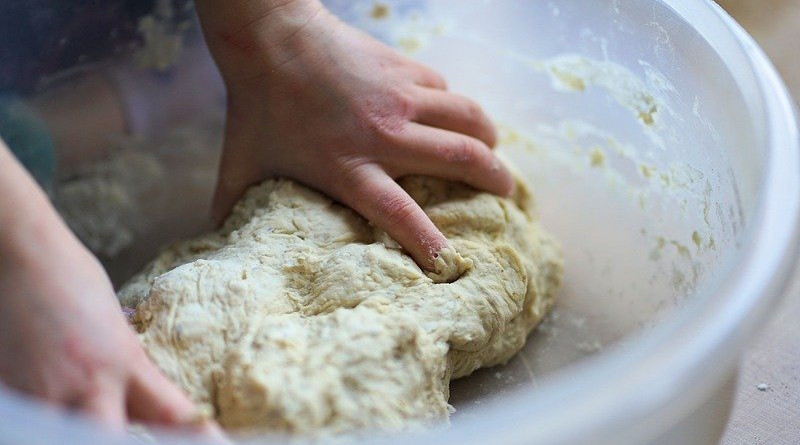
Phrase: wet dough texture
(300, 317)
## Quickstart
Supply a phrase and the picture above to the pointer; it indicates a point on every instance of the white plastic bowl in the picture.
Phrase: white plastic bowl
(663, 150)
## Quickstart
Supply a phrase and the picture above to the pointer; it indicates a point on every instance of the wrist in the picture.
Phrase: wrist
(244, 24)
(246, 36)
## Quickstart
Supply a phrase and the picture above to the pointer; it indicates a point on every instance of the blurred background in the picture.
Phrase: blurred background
(775, 24)
(767, 406)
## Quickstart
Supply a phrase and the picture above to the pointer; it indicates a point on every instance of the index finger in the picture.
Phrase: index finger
(383, 202)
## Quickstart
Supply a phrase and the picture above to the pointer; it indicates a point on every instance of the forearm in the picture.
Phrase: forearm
(27, 219)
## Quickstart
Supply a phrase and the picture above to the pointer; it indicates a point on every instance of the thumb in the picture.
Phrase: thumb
(237, 168)
(231, 185)
(152, 398)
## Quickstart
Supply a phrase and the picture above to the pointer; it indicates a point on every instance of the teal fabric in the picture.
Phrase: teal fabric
(28, 138)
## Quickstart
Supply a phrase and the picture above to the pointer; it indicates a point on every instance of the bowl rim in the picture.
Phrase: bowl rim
(651, 370)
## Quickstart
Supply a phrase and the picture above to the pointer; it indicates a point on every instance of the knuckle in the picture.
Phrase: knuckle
(382, 124)
(402, 108)
(432, 77)
(403, 102)
(398, 210)
(76, 350)
(463, 151)
(350, 168)
(473, 111)
(350, 178)
(386, 116)
(87, 361)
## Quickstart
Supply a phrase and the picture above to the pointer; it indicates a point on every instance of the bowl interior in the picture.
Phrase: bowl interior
(640, 145)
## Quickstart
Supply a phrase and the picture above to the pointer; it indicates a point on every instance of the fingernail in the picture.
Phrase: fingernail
(449, 266)
(434, 251)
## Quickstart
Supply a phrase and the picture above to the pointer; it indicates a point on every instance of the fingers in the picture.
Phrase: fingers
(154, 399)
(424, 150)
(449, 111)
(105, 402)
(377, 197)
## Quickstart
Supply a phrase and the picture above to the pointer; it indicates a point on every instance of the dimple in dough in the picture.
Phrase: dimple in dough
(298, 316)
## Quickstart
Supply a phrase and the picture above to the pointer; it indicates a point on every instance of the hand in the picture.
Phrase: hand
(313, 99)
(63, 337)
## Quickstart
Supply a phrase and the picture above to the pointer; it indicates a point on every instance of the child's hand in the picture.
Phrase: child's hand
(63, 337)
(313, 99)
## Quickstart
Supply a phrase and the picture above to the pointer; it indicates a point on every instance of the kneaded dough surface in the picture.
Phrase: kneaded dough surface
(300, 317)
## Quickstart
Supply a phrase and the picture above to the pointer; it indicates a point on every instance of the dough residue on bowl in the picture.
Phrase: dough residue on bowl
(298, 316)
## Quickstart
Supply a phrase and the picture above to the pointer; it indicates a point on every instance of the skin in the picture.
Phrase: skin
(63, 337)
(313, 99)
(309, 98)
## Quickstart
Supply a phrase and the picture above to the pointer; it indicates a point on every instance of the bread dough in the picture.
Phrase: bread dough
(298, 316)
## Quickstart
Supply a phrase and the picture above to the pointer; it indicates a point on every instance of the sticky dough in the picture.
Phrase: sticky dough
(300, 317)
